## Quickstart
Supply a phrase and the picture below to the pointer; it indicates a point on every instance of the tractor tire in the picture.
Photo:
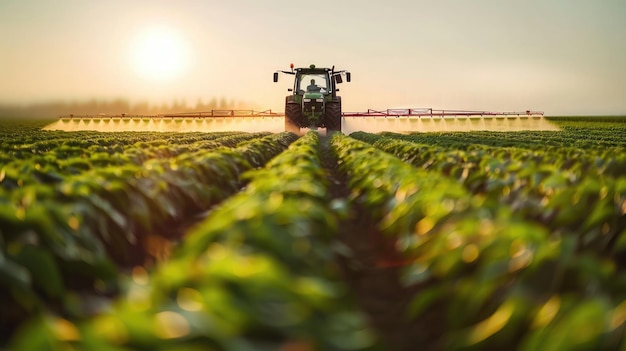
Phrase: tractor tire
(332, 118)
(293, 116)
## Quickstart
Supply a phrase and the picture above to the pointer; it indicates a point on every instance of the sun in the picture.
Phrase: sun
(160, 54)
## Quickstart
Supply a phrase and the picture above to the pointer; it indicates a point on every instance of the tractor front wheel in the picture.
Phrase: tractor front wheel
(333, 116)
(293, 113)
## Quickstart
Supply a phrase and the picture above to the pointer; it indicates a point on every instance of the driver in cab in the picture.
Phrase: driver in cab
(313, 87)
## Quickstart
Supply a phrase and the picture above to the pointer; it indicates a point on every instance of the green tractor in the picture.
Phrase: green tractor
(313, 102)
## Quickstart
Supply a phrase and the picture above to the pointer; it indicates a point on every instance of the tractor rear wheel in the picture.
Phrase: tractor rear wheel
(293, 116)
(333, 116)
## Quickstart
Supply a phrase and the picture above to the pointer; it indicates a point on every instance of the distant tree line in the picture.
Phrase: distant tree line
(116, 106)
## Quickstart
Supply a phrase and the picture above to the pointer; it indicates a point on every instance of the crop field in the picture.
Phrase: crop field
(269, 241)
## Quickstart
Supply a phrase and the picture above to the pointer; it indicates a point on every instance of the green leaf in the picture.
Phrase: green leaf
(43, 269)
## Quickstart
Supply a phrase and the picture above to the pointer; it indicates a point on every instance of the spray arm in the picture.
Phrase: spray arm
(276, 75)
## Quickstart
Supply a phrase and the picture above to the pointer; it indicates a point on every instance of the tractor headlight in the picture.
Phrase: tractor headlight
(319, 100)
(306, 100)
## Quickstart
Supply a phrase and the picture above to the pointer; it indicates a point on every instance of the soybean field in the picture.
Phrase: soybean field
(272, 241)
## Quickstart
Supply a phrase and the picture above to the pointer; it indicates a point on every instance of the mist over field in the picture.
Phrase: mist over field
(116, 106)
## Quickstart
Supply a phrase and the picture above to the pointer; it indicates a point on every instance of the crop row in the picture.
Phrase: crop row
(257, 274)
(53, 166)
(37, 140)
(68, 235)
(483, 277)
(584, 198)
(571, 160)
(56, 156)
(596, 136)
(32, 142)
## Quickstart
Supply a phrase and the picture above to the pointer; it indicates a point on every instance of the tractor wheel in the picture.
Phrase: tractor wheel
(293, 115)
(333, 116)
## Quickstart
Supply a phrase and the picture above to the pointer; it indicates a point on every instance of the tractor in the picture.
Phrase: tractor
(313, 102)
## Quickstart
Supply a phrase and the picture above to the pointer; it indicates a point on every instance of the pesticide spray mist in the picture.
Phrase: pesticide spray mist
(445, 124)
(177, 125)
(277, 124)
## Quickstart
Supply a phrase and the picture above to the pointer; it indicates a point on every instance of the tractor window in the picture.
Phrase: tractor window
(313, 83)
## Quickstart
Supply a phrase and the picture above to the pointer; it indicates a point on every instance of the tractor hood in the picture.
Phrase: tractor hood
(315, 95)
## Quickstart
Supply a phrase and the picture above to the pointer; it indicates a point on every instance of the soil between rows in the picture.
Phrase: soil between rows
(371, 267)
(372, 270)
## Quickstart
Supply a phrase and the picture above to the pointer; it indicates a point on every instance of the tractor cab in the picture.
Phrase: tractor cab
(312, 83)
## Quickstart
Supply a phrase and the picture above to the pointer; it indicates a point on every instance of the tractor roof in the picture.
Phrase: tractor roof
(312, 70)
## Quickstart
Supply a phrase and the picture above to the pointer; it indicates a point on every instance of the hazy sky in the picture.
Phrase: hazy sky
(560, 56)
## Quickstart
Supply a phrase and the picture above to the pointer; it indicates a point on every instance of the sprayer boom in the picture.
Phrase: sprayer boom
(404, 112)
(206, 114)
(429, 112)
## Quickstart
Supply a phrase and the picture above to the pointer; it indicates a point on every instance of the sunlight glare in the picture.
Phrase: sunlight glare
(160, 54)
